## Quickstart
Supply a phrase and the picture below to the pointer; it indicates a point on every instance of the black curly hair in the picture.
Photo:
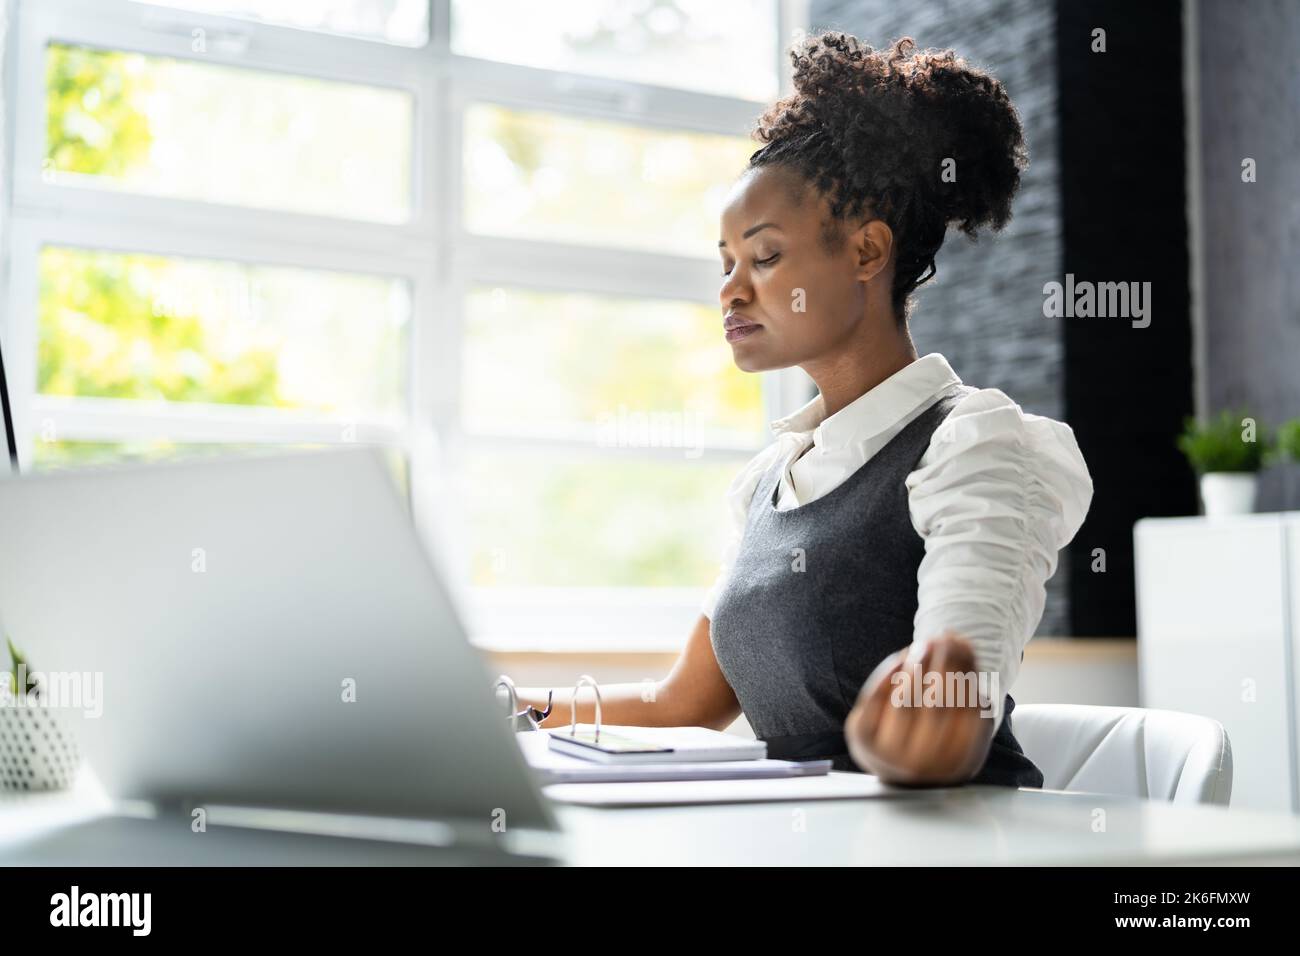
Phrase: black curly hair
(871, 129)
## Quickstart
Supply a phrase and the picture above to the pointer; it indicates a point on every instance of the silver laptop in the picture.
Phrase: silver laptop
(271, 634)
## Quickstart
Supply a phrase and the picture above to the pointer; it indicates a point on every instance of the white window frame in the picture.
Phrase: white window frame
(431, 252)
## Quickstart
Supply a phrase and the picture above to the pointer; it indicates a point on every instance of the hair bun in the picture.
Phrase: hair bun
(920, 137)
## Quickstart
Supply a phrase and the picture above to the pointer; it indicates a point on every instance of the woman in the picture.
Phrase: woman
(903, 525)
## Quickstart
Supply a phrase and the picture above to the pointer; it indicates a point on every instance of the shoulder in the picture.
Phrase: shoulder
(987, 418)
(988, 441)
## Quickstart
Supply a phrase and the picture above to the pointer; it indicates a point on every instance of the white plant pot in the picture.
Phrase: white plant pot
(37, 749)
(1228, 493)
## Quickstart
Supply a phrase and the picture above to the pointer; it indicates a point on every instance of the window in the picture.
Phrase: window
(546, 175)
(404, 22)
(130, 327)
(723, 48)
(247, 226)
(191, 130)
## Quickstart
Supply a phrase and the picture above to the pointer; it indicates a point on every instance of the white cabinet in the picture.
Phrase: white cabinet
(1218, 610)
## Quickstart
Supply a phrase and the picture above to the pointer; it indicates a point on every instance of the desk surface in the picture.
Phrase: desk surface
(949, 827)
(957, 826)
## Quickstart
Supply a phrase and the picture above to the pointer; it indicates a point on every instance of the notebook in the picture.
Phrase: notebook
(623, 746)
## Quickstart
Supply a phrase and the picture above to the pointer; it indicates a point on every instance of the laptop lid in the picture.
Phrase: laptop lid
(6, 414)
(269, 631)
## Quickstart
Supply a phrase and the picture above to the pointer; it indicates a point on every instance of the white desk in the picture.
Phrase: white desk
(958, 826)
(950, 827)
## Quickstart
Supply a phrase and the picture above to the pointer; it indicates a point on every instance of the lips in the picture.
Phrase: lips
(737, 326)
(734, 320)
(743, 331)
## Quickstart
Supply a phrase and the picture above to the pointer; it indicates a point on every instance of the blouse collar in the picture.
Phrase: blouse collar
(874, 411)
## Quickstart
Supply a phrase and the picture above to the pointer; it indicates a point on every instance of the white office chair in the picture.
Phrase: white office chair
(1157, 754)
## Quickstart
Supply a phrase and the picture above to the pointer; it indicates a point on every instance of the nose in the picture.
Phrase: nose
(735, 291)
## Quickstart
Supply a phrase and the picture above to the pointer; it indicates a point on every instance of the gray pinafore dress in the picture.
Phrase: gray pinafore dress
(796, 646)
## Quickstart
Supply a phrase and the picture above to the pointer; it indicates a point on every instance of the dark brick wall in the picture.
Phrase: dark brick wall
(1249, 60)
(983, 309)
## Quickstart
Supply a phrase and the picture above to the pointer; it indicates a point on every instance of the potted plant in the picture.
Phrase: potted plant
(1227, 453)
(37, 752)
(1288, 453)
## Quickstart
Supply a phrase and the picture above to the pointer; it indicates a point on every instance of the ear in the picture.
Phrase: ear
(873, 243)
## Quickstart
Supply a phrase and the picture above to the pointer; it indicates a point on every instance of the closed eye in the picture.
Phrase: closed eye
(760, 262)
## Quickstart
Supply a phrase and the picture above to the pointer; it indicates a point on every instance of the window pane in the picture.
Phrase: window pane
(638, 373)
(549, 177)
(558, 522)
(723, 48)
(116, 325)
(217, 134)
(404, 22)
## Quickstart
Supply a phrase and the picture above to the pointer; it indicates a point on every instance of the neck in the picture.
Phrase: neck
(858, 368)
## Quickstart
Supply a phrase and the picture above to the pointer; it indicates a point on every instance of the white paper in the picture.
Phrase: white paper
(836, 785)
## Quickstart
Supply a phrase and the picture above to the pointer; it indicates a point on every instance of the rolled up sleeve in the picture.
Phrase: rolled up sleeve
(995, 497)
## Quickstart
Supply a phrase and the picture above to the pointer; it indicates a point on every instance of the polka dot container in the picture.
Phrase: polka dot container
(37, 751)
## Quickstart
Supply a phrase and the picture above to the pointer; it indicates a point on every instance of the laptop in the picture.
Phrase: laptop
(6, 415)
(278, 650)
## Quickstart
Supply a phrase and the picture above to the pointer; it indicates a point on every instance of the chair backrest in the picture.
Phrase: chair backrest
(1158, 754)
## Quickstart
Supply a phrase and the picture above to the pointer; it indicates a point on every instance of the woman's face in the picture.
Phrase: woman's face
(784, 300)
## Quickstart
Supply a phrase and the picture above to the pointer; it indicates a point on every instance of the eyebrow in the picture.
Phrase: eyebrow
(750, 231)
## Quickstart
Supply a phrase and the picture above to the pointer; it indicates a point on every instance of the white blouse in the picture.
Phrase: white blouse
(995, 496)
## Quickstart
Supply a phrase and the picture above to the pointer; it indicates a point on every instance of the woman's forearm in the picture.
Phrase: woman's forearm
(639, 704)
(694, 694)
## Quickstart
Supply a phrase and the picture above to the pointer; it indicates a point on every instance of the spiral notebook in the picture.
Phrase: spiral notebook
(626, 746)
